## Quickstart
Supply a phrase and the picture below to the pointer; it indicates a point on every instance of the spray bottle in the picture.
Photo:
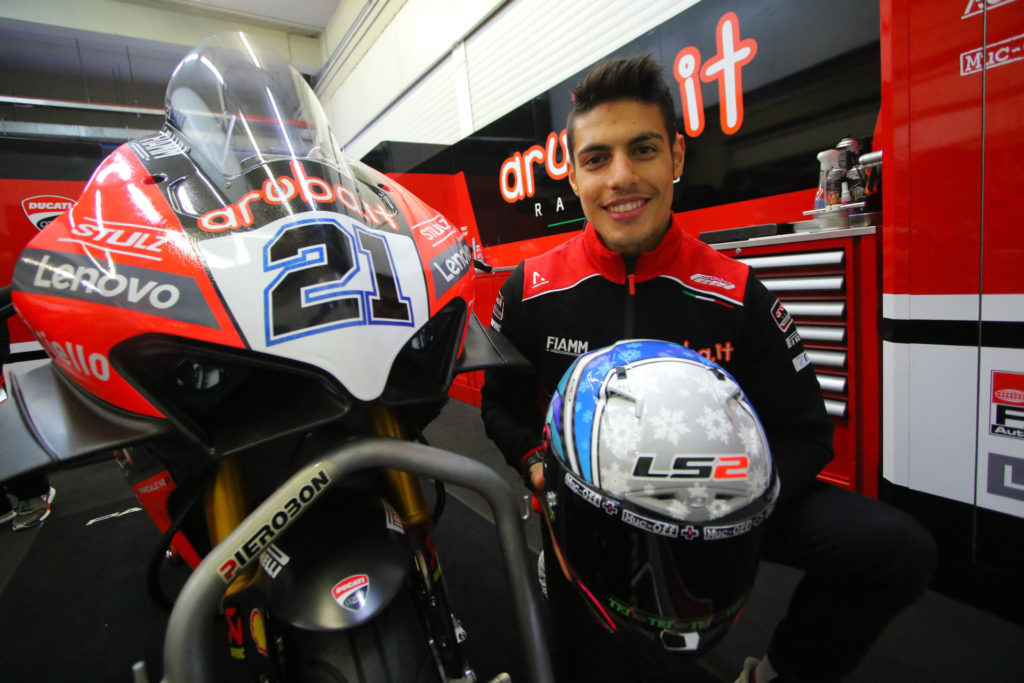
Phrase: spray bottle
(828, 159)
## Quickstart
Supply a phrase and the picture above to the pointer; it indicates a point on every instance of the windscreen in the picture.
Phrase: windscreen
(240, 105)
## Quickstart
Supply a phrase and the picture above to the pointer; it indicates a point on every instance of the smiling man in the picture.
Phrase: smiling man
(633, 272)
(623, 168)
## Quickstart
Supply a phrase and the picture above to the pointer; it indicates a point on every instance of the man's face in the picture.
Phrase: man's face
(623, 165)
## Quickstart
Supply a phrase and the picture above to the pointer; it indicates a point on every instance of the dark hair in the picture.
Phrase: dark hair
(623, 78)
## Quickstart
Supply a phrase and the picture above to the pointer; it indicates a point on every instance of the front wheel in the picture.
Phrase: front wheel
(393, 647)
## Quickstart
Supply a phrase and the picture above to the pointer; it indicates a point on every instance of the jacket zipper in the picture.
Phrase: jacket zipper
(630, 263)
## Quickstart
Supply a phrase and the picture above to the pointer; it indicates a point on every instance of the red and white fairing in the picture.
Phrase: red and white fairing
(294, 253)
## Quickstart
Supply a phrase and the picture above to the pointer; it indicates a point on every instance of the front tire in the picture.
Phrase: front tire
(393, 647)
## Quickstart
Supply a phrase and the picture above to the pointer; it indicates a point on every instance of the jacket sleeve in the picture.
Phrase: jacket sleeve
(509, 405)
(780, 382)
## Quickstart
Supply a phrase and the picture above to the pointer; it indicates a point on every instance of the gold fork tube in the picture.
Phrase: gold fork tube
(226, 506)
(405, 488)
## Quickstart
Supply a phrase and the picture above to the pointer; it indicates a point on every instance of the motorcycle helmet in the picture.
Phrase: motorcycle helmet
(658, 480)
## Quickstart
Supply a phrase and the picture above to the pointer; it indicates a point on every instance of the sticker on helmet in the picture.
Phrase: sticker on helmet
(649, 524)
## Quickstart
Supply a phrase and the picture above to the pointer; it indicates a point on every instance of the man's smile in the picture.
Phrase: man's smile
(622, 209)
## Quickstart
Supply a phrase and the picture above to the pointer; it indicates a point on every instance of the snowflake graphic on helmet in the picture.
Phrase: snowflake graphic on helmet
(711, 385)
(620, 431)
(669, 425)
(679, 509)
(698, 494)
(716, 424)
(719, 508)
(751, 439)
(615, 480)
(642, 385)
(629, 355)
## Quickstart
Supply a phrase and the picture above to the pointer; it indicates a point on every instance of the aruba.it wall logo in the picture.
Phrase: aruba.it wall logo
(516, 177)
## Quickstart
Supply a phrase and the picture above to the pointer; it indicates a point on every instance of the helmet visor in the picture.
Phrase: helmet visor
(654, 574)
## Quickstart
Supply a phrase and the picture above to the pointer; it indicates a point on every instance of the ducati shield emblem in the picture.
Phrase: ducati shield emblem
(42, 209)
(351, 592)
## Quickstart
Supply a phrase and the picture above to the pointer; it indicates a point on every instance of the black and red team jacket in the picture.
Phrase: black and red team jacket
(581, 296)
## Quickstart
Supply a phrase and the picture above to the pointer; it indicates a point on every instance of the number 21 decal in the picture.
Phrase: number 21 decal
(330, 276)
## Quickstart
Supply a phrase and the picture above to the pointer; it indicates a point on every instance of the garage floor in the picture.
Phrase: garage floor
(73, 604)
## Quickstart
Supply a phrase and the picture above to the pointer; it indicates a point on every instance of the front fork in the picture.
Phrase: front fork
(407, 497)
(226, 506)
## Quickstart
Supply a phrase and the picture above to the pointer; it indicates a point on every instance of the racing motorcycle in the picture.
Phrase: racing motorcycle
(259, 327)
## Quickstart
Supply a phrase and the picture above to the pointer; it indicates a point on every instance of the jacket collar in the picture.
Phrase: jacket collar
(649, 265)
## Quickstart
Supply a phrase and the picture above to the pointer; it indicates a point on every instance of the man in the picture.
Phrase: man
(634, 273)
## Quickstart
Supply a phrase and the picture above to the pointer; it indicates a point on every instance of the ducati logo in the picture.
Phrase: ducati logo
(42, 209)
(351, 593)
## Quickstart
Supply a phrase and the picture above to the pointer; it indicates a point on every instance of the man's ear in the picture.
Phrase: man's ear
(572, 179)
(678, 156)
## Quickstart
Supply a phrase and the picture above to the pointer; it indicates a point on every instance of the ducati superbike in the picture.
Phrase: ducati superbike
(259, 327)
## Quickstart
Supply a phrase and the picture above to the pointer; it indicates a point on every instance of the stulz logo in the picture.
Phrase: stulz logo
(259, 541)
(1006, 408)
(516, 177)
(42, 209)
(351, 593)
(694, 467)
(123, 238)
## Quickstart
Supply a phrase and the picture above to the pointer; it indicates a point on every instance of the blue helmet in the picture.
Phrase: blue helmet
(658, 478)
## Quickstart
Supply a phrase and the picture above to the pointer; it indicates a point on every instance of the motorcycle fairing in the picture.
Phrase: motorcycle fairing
(45, 421)
(134, 241)
(287, 187)
(116, 265)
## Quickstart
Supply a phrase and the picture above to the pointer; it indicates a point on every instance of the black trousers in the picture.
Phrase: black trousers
(864, 562)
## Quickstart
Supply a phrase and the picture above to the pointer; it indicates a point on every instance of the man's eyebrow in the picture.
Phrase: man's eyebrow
(645, 136)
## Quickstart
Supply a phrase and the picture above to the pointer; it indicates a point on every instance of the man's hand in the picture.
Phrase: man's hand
(536, 475)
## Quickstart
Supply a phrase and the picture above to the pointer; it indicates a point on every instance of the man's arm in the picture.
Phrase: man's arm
(784, 390)
(509, 406)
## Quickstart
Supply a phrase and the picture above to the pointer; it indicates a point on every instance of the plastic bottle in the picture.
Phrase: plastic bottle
(828, 159)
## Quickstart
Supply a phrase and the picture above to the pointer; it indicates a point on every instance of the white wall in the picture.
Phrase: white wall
(146, 22)
(443, 69)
